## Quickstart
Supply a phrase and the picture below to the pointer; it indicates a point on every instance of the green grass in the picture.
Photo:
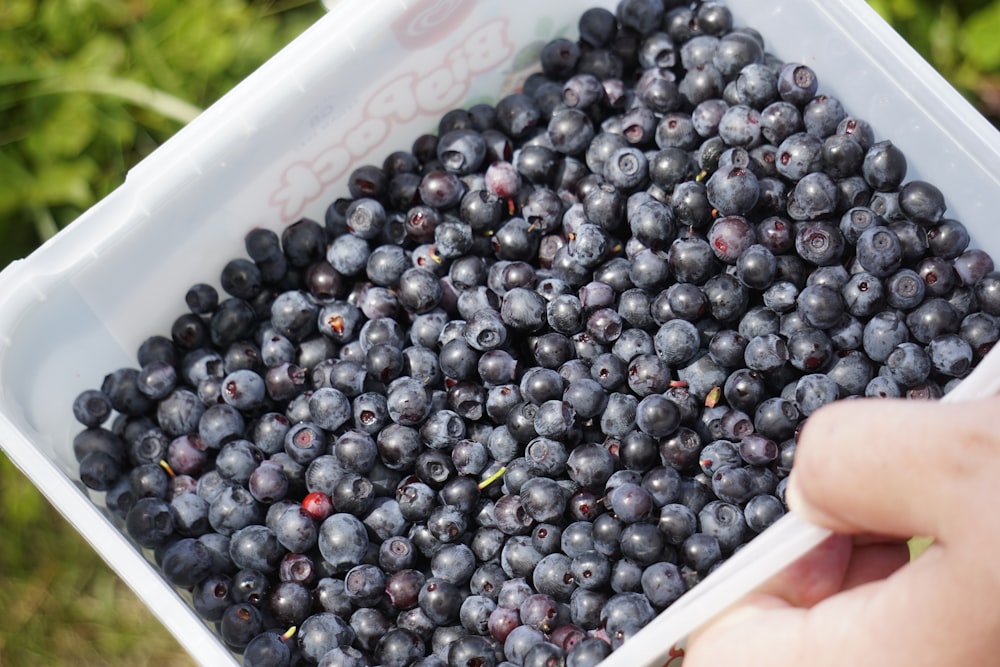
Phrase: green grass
(90, 87)
(62, 605)
(87, 89)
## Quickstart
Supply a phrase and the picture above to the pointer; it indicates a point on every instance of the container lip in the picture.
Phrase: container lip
(252, 101)
(969, 127)
(163, 173)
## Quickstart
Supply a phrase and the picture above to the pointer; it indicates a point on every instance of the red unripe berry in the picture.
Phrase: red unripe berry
(317, 505)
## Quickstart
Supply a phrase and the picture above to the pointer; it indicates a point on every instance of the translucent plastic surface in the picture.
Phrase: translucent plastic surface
(280, 146)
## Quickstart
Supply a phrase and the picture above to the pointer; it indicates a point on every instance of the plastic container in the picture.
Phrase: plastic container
(365, 80)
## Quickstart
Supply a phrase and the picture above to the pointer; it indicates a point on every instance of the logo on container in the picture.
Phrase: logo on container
(428, 21)
(675, 658)
(429, 91)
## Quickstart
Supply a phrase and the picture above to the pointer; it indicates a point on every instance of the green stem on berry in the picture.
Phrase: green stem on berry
(492, 478)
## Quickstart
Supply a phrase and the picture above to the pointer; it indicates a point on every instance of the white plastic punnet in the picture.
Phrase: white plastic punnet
(365, 80)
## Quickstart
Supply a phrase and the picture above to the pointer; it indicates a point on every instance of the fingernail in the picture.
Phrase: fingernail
(796, 502)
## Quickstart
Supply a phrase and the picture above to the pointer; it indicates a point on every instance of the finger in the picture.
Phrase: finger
(894, 467)
(813, 577)
(927, 614)
(810, 579)
(838, 563)
(763, 630)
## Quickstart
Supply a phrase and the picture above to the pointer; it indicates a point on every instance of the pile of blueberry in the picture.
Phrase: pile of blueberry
(540, 374)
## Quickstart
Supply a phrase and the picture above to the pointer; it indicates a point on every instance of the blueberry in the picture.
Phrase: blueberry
(864, 294)
(932, 318)
(346, 656)
(776, 418)
(725, 522)
(727, 297)
(523, 309)
(626, 168)
(973, 265)
(582, 91)
(798, 155)
(543, 499)
(550, 579)
(211, 596)
(626, 577)
(905, 289)
(517, 114)
(150, 522)
(239, 624)
(657, 416)
(321, 632)
(91, 408)
(815, 195)
(858, 129)
(766, 353)
(255, 547)
(342, 541)
(922, 202)
(948, 239)
(852, 371)
(441, 189)
(156, 379)
(268, 482)
(189, 331)
(884, 166)
(815, 390)
(419, 290)
(99, 470)
(762, 511)
(744, 388)
(820, 306)
(756, 85)
(842, 156)
(882, 386)
(733, 190)
(980, 331)
(461, 151)
(232, 509)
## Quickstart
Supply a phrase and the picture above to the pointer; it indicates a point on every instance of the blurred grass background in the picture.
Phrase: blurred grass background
(90, 87)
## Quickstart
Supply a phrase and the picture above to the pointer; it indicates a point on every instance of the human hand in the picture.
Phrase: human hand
(877, 472)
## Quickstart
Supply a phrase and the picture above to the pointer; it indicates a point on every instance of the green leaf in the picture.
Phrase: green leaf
(66, 129)
(20, 506)
(102, 53)
(63, 183)
(906, 9)
(15, 178)
(979, 43)
(944, 39)
(16, 13)
(882, 8)
(17, 240)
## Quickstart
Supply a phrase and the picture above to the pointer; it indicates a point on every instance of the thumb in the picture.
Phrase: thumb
(735, 638)
(891, 467)
(812, 578)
